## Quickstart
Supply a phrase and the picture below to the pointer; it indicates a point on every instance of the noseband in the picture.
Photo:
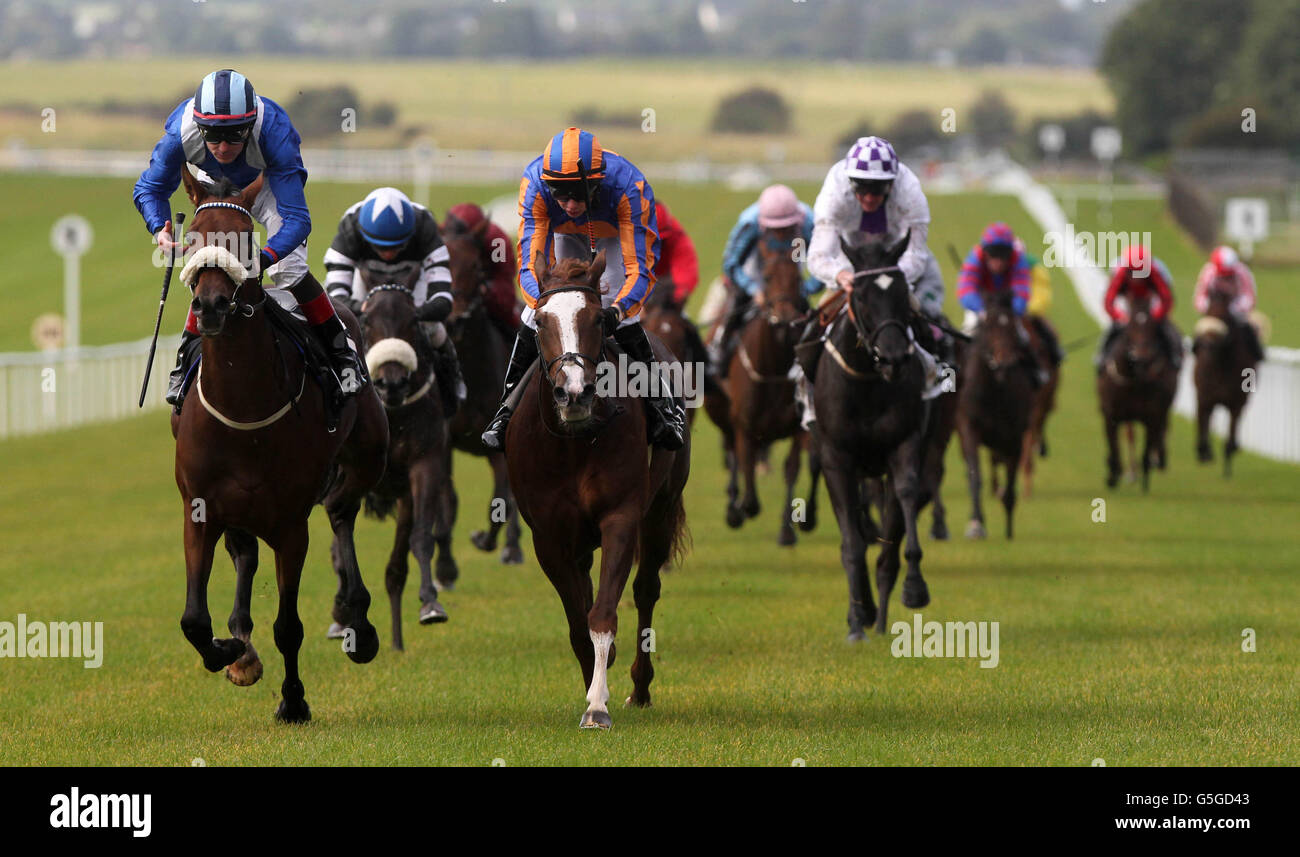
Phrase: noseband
(236, 305)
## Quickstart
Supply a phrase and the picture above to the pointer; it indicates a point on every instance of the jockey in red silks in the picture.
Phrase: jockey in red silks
(1141, 277)
(1226, 274)
(500, 267)
(677, 261)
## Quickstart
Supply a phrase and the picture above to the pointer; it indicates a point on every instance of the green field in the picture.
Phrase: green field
(518, 106)
(1120, 640)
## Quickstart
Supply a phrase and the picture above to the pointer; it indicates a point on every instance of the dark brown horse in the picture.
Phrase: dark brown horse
(871, 422)
(1035, 443)
(994, 405)
(253, 456)
(760, 391)
(483, 351)
(400, 361)
(1223, 362)
(666, 321)
(578, 466)
(1137, 384)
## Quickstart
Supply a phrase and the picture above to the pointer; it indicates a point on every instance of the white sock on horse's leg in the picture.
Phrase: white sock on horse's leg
(598, 693)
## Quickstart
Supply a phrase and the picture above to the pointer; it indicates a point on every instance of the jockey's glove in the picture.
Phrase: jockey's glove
(261, 262)
(435, 309)
(611, 318)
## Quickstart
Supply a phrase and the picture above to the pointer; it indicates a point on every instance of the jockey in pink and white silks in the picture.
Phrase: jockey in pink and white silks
(1226, 274)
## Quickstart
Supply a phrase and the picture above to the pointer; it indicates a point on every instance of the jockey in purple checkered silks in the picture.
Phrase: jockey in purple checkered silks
(870, 197)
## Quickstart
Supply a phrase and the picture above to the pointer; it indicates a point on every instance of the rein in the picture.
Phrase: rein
(236, 305)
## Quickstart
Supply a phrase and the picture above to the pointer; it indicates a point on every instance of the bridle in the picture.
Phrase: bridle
(574, 356)
(236, 305)
(870, 339)
(428, 382)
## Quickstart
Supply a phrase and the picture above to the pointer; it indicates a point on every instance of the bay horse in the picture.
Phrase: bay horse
(872, 422)
(994, 405)
(1137, 384)
(400, 361)
(253, 456)
(484, 352)
(583, 480)
(1035, 442)
(760, 391)
(666, 321)
(1223, 360)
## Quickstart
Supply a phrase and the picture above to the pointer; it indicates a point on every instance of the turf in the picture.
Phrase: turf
(1120, 641)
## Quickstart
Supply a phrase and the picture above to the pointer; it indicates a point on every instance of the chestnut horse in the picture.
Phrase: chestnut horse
(583, 480)
(994, 405)
(1223, 361)
(484, 352)
(760, 390)
(253, 456)
(400, 361)
(1137, 384)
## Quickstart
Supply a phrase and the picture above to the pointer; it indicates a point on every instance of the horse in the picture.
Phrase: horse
(1223, 360)
(994, 405)
(872, 422)
(484, 352)
(578, 466)
(1137, 384)
(760, 391)
(1035, 443)
(400, 361)
(253, 456)
(666, 321)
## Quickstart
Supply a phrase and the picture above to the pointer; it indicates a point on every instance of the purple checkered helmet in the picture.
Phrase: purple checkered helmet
(871, 158)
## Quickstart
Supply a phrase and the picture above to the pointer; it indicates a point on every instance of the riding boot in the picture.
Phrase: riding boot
(347, 368)
(723, 345)
(667, 429)
(808, 350)
(176, 382)
(1049, 339)
(521, 357)
(451, 384)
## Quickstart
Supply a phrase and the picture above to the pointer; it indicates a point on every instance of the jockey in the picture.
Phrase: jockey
(1141, 277)
(677, 262)
(1227, 274)
(777, 219)
(554, 194)
(998, 263)
(226, 130)
(389, 236)
(499, 263)
(870, 198)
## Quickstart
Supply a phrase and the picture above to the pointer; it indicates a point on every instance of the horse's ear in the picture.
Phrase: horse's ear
(193, 188)
(365, 278)
(480, 229)
(896, 252)
(249, 194)
(596, 271)
(413, 277)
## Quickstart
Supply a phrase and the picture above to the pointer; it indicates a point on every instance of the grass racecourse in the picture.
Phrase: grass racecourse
(1120, 640)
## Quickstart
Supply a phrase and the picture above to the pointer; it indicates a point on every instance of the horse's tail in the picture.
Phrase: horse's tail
(379, 505)
(680, 542)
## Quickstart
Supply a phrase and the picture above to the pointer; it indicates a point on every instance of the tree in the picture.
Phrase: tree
(992, 119)
(752, 111)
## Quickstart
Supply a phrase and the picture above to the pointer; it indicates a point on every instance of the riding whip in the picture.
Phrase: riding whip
(162, 301)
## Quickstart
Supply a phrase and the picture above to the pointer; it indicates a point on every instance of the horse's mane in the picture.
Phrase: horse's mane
(565, 271)
(222, 188)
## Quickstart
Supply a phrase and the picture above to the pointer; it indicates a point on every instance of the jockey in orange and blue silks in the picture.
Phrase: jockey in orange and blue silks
(572, 197)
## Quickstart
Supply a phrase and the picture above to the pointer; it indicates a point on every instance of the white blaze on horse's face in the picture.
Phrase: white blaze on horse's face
(563, 309)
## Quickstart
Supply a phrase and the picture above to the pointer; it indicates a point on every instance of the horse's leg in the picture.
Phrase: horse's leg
(290, 552)
(1112, 452)
(734, 516)
(1230, 445)
(486, 540)
(809, 523)
(656, 545)
(1131, 475)
(887, 564)
(1204, 408)
(511, 554)
(1148, 450)
(361, 640)
(747, 460)
(905, 488)
(970, 448)
(426, 486)
(1009, 494)
(844, 486)
(786, 536)
(446, 573)
(398, 568)
(572, 581)
(242, 548)
(618, 542)
(1028, 446)
(196, 622)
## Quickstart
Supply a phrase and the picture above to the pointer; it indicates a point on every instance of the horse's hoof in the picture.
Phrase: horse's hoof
(633, 702)
(335, 631)
(734, 517)
(483, 540)
(939, 531)
(595, 720)
(512, 555)
(809, 523)
(786, 538)
(444, 585)
(365, 644)
(432, 613)
(246, 671)
(227, 652)
(975, 530)
(752, 510)
(915, 595)
(293, 712)
(856, 636)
